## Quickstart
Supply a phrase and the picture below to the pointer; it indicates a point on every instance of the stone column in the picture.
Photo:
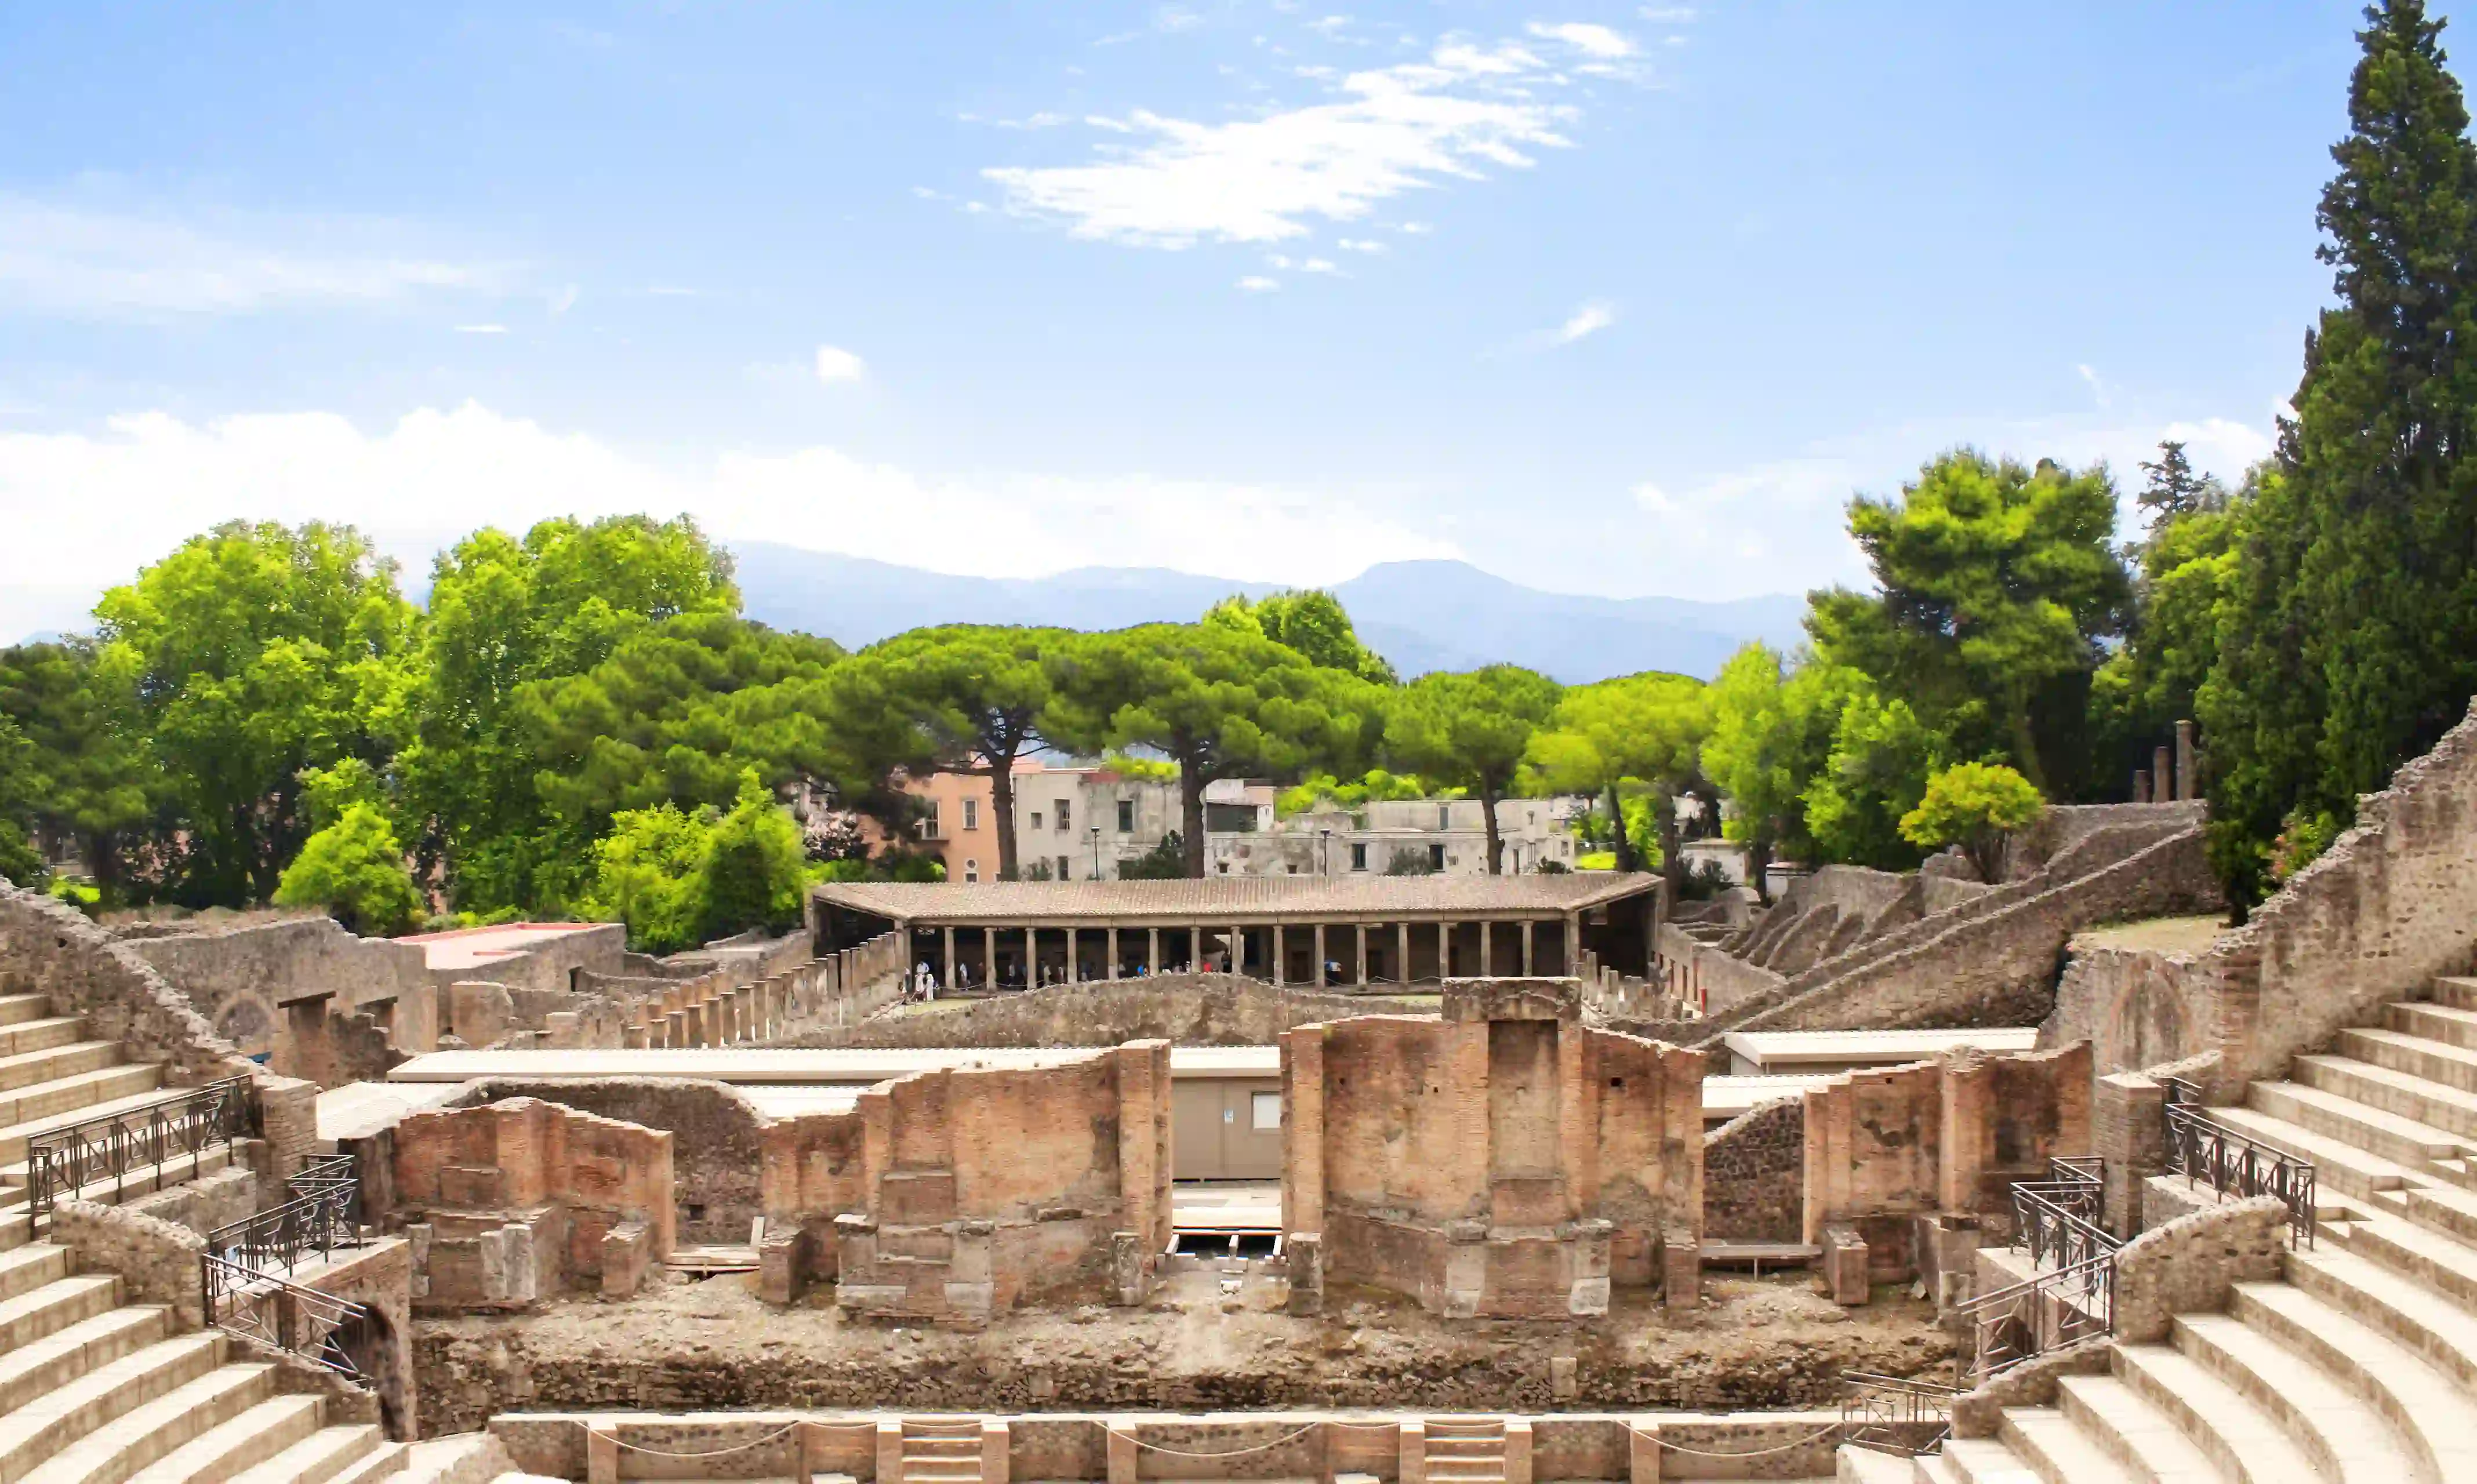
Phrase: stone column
(1074, 965)
(988, 958)
(1444, 950)
(1321, 981)
(2162, 781)
(1402, 947)
(1280, 954)
(1526, 947)
(949, 975)
(1486, 951)
(1111, 937)
(1573, 943)
(2188, 783)
(1359, 954)
(1152, 950)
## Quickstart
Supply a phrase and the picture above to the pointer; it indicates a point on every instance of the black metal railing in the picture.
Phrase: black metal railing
(2205, 1150)
(118, 1147)
(333, 1178)
(327, 1331)
(1892, 1414)
(287, 1236)
(2058, 1219)
(2053, 1309)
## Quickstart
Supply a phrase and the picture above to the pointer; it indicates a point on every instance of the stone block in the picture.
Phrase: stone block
(627, 1251)
(1130, 1267)
(1845, 1264)
(1304, 1254)
(915, 1196)
(471, 1188)
(1680, 1269)
(782, 1265)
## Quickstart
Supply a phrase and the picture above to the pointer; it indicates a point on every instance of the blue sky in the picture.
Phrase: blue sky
(1610, 298)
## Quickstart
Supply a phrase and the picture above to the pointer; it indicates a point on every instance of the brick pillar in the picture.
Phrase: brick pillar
(2142, 785)
(1143, 1122)
(1121, 1451)
(1303, 1129)
(1517, 1450)
(997, 1451)
(1412, 1467)
(2162, 777)
(601, 1457)
(2129, 1130)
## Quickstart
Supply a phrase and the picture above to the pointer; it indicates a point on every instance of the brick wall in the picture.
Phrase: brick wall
(2137, 1007)
(717, 1140)
(1189, 1009)
(1754, 1175)
(1421, 1149)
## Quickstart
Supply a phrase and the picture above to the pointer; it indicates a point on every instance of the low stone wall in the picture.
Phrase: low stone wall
(1187, 1009)
(239, 977)
(1703, 973)
(1754, 1175)
(2137, 1007)
(717, 1140)
(546, 964)
(2195, 1263)
(49, 948)
(157, 1261)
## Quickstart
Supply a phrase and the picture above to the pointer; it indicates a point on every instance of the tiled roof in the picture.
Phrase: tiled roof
(1218, 899)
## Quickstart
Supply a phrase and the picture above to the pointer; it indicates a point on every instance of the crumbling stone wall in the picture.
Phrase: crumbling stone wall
(504, 1202)
(979, 1188)
(1505, 1160)
(49, 948)
(2195, 1263)
(239, 978)
(2137, 1007)
(717, 1140)
(1885, 1147)
(1754, 1175)
(1188, 1009)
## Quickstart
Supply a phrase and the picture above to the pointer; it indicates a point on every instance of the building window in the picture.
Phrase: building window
(1359, 857)
(1435, 858)
(1064, 825)
(1126, 816)
(1263, 1111)
(929, 822)
(971, 814)
(1036, 819)
(1065, 869)
(971, 871)
(1444, 816)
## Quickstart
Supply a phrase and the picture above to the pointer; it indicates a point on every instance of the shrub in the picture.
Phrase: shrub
(1974, 805)
(355, 870)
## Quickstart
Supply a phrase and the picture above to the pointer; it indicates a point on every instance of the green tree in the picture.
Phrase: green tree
(1213, 699)
(256, 651)
(2351, 642)
(648, 874)
(1998, 585)
(2189, 574)
(963, 697)
(355, 870)
(84, 778)
(754, 870)
(20, 863)
(1877, 771)
(1974, 805)
(2173, 490)
(1312, 620)
(1471, 730)
(1749, 753)
(1645, 728)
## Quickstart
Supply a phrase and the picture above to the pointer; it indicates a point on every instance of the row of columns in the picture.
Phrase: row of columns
(703, 1013)
(1200, 940)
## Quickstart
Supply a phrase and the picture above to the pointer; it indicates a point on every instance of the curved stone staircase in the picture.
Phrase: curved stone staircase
(2361, 1365)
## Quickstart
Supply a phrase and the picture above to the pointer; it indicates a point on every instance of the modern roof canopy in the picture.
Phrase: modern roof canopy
(1237, 898)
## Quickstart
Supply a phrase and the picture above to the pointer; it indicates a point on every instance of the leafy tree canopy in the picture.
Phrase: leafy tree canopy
(1974, 805)
(1876, 773)
(1648, 727)
(1473, 729)
(355, 870)
(1311, 621)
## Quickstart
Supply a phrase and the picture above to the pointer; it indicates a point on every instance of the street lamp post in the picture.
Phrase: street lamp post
(1095, 832)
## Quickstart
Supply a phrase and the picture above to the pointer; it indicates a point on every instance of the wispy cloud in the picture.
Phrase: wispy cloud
(836, 364)
(481, 329)
(1467, 107)
(76, 260)
(1258, 283)
(1362, 245)
(1588, 320)
(1589, 40)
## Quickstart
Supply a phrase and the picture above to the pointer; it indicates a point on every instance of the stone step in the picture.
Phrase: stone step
(2341, 1167)
(40, 1034)
(17, 1009)
(2407, 1312)
(57, 1359)
(2459, 993)
(2444, 1209)
(178, 1170)
(32, 1068)
(25, 1268)
(1935, 1469)
(2447, 1024)
(16, 1228)
(2361, 1126)
(61, 1100)
(2244, 1441)
(941, 1448)
(2423, 1407)
(2417, 1055)
(145, 1434)
(244, 1441)
(1479, 1469)
(2058, 1452)
(2131, 1431)
(1986, 1461)
(53, 1421)
(941, 1470)
(131, 1105)
(386, 1459)
(55, 1306)
(1855, 1465)
(2435, 1104)
(339, 1453)
(2341, 1431)
(2445, 1267)
(1491, 1446)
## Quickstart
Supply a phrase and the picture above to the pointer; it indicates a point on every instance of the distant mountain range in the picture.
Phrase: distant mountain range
(1421, 615)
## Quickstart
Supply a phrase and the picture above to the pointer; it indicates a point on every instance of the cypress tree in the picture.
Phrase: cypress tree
(2349, 646)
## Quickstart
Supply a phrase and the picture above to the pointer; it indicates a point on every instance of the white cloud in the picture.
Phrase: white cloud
(2097, 385)
(1599, 41)
(564, 300)
(1258, 283)
(836, 364)
(1329, 24)
(1388, 130)
(481, 329)
(1362, 245)
(1590, 319)
(1675, 15)
(73, 261)
(1415, 229)
(88, 510)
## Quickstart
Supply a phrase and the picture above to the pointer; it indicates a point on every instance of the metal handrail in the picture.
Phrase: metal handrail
(2059, 1224)
(117, 1147)
(320, 1328)
(2200, 1148)
(1875, 1405)
(286, 1235)
(2053, 1309)
(334, 1179)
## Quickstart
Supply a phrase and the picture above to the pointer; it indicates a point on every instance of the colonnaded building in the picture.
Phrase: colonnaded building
(1420, 1181)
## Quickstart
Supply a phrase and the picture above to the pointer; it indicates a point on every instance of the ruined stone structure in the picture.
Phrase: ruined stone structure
(1188, 1009)
(508, 1205)
(956, 1194)
(1506, 1162)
